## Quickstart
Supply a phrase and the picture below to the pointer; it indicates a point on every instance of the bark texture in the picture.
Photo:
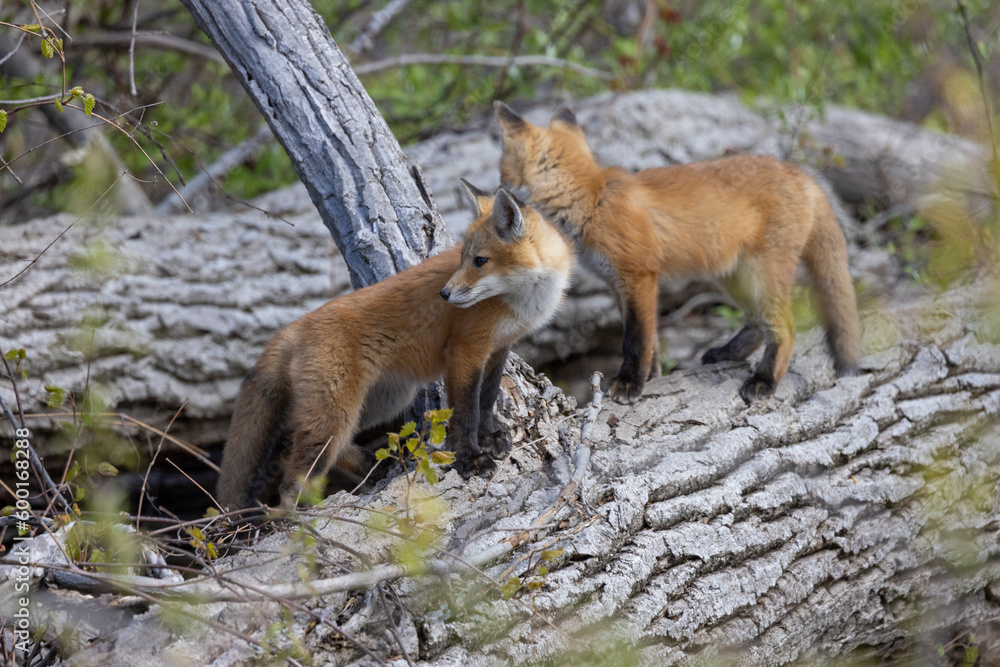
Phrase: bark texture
(852, 519)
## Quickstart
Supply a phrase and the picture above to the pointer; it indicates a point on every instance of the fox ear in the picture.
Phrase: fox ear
(507, 117)
(507, 216)
(476, 198)
(565, 115)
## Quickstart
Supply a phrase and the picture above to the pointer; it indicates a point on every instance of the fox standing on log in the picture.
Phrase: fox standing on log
(357, 361)
(745, 221)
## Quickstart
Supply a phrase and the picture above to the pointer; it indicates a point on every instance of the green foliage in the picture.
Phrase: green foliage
(103, 543)
(533, 578)
(409, 446)
(17, 356)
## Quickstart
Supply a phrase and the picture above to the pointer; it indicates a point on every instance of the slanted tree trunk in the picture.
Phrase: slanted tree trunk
(375, 205)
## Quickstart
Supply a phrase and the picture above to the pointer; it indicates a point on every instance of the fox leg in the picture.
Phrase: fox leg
(742, 345)
(777, 352)
(358, 462)
(639, 310)
(463, 382)
(321, 436)
(492, 440)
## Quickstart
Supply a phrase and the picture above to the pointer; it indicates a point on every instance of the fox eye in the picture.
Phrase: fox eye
(479, 261)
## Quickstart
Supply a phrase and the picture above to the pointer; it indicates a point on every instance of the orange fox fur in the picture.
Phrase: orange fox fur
(745, 221)
(358, 360)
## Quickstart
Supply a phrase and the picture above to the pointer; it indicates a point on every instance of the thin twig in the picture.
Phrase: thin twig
(974, 50)
(131, 50)
(479, 61)
(14, 50)
(392, 625)
(375, 25)
(63, 232)
(50, 486)
(164, 41)
(152, 461)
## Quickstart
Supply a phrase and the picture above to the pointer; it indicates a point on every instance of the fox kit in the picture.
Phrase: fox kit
(745, 221)
(358, 360)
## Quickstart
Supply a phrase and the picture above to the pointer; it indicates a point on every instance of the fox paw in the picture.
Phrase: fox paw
(469, 465)
(625, 390)
(756, 388)
(715, 355)
(494, 443)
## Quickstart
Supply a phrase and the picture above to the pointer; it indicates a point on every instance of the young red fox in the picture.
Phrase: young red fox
(745, 221)
(358, 360)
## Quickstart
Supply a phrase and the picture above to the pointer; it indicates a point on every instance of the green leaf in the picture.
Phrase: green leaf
(57, 396)
(381, 454)
(510, 587)
(408, 429)
(551, 554)
(47, 49)
(76, 91)
(442, 457)
(437, 434)
(442, 415)
(12, 355)
(425, 467)
(88, 104)
(542, 570)
(3, 120)
(106, 469)
(412, 443)
(59, 107)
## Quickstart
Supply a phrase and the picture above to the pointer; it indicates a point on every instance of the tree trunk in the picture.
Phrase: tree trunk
(376, 207)
(855, 519)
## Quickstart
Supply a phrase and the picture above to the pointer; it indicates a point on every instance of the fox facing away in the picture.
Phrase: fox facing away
(745, 221)
(357, 361)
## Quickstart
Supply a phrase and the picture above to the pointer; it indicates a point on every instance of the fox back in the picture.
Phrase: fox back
(744, 221)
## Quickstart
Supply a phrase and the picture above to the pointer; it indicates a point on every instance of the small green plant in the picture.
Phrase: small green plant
(17, 356)
(533, 578)
(409, 446)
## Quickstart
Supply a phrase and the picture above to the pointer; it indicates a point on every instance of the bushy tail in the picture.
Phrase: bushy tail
(249, 463)
(825, 258)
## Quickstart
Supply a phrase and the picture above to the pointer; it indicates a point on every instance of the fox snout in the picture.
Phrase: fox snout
(445, 293)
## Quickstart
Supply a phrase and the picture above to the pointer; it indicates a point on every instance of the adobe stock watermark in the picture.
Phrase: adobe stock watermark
(20, 553)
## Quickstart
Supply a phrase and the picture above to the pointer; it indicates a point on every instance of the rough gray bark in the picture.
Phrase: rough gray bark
(850, 519)
(375, 206)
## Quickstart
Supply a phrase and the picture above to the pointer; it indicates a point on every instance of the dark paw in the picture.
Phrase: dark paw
(756, 388)
(378, 472)
(469, 465)
(494, 443)
(625, 390)
(715, 355)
